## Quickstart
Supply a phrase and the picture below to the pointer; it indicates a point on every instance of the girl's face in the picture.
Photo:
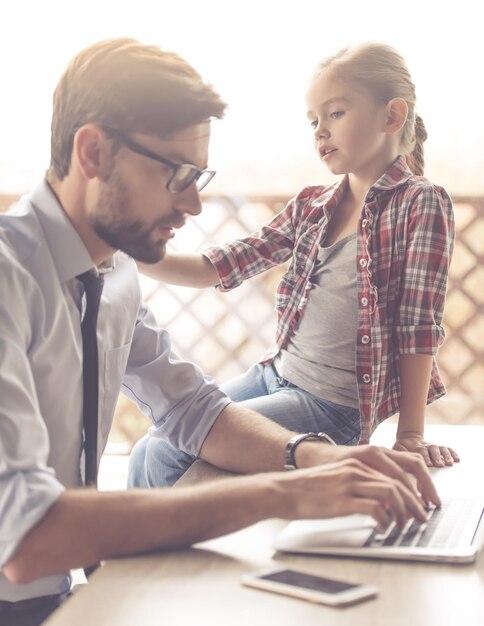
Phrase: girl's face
(349, 128)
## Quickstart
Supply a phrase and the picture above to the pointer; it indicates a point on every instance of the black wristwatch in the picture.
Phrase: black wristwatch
(289, 460)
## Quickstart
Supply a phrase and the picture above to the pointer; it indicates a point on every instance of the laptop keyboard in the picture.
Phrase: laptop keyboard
(443, 529)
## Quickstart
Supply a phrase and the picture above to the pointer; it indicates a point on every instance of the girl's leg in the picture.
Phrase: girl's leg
(155, 463)
(136, 464)
(250, 384)
(301, 411)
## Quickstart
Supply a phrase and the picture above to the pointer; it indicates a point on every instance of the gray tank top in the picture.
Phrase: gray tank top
(320, 357)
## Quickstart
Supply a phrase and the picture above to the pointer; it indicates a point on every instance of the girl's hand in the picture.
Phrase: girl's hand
(433, 455)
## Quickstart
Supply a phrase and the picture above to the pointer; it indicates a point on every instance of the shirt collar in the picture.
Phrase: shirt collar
(397, 174)
(331, 196)
(68, 252)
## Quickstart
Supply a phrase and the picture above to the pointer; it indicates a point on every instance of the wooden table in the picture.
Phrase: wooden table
(201, 585)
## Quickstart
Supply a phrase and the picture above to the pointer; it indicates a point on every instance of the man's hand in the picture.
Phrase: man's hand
(433, 455)
(346, 487)
(394, 464)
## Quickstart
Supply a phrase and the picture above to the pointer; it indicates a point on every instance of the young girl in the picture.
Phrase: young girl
(360, 308)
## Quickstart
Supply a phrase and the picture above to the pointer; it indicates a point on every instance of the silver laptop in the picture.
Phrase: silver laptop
(454, 533)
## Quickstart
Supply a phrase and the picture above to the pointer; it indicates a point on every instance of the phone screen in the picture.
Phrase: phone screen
(307, 581)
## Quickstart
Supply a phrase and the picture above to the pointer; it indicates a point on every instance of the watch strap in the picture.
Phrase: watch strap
(289, 452)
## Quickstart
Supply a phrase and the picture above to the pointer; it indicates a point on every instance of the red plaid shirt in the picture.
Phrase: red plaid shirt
(405, 242)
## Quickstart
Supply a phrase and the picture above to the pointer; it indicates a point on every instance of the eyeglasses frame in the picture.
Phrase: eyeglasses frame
(134, 146)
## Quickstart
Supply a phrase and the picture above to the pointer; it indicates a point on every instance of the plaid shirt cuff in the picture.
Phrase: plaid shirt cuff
(424, 339)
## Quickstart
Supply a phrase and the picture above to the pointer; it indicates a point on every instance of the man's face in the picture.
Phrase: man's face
(134, 211)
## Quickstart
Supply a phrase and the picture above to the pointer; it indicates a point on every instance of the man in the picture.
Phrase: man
(130, 134)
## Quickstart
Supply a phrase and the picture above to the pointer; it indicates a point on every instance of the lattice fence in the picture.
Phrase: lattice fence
(461, 358)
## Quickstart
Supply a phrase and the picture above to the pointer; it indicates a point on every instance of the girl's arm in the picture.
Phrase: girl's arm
(228, 265)
(185, 269)
(429, 239)
(415, 370)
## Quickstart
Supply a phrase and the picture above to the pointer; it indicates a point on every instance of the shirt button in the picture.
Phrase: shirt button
(366, 378)
(364, 223)
(362, 262)
(365, 339)
(364, 301)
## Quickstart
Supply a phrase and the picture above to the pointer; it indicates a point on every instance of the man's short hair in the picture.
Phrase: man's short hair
(130, 86)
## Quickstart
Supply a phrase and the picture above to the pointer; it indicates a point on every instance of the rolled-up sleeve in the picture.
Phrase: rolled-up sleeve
(25, 497)
(182, 402)
(429, 246)
(246, 257)
(28, 487)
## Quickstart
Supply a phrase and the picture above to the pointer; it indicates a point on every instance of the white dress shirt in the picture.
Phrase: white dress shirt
(41, 307)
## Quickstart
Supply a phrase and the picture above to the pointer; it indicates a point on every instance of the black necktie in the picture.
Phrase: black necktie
(93, 286)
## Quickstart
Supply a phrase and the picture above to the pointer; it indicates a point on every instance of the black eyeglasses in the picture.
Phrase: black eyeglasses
(184, 174)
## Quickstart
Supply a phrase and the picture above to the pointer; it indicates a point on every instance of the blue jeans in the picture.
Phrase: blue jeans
(155, 463)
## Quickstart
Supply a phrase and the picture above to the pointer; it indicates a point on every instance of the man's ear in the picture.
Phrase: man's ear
(396, 115)
(91, 151)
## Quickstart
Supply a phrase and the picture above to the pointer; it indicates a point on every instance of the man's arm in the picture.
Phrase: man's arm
(85, 526)
(243, 441)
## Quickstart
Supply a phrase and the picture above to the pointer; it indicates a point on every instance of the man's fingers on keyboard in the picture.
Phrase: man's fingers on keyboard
(389, 463)
(375, 509)
(395, 498)
(415, 464)
(414, 506)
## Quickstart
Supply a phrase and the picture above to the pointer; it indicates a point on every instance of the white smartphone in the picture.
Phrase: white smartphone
(310, 587)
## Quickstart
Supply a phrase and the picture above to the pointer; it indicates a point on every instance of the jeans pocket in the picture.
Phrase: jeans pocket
(282, 382)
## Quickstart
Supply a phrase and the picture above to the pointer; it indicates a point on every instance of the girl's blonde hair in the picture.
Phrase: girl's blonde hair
(381, 70)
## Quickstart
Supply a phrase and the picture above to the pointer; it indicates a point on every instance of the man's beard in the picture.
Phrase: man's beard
(121, 233)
